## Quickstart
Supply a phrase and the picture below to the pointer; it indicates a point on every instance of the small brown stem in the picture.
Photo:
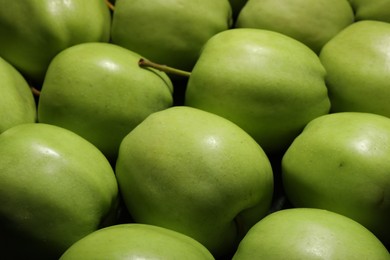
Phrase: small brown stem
(35, 92)
(147, 63)
(110, 5)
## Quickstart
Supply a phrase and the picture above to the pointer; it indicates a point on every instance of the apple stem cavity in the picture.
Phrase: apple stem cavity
(144, 63)
(110, 5)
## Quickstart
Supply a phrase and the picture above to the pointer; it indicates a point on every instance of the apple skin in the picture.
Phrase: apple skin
(378, 10)
(267, 83)
(340, 162)
(33, 32)
(136, 241)
(17, 103)
(303, 20)
(358, 72)
(170, 32)
(196, 173)
(98, 91)
(55, 188)
(308, 233)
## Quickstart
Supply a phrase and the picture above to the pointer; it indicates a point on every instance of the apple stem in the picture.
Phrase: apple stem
(110, 5)
(35, 92)
(147, 63)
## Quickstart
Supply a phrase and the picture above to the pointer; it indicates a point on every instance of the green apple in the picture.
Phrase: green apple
(55, 188)
(358, 72)
(32, 32)
(267, 83)
(312, 22)
(308, 233)
(17, 103)
(98, 91)
(169, 32)
(371, 10)
(196, 173)
(136, 241)
(340, 162)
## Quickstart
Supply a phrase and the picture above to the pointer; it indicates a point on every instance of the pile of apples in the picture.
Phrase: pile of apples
(173, 129)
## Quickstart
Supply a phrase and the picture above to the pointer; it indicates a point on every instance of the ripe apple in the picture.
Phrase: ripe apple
(308, 233)
(267, 83)
(33, 32)
(98, 91)
(55, 188)
(371, 10)
(358, 72)
(169, 32)
(312, 22)
(196, 173)
(17, 103)
(136, 241)
(340, 162)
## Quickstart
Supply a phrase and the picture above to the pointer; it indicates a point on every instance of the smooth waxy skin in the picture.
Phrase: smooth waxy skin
(340, 162)
(196, 173)
(169, 32)
(304, 233)
(33, 32)
(265, 82)
(303, 20)
(371, 10)
(358, 72)
(55, 188)
(17, 103)
(98, 91)
(136, 241)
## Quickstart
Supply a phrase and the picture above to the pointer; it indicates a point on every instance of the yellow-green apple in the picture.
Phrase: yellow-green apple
(197, 173)
(358, 72)
(308, 233)
(340, 162)
(378, 10)
(170, 32)
(269, 84)
(136, 241)
(33, 32)
(55, 188)
(312, 22)
(98, 91)
(17, 103)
